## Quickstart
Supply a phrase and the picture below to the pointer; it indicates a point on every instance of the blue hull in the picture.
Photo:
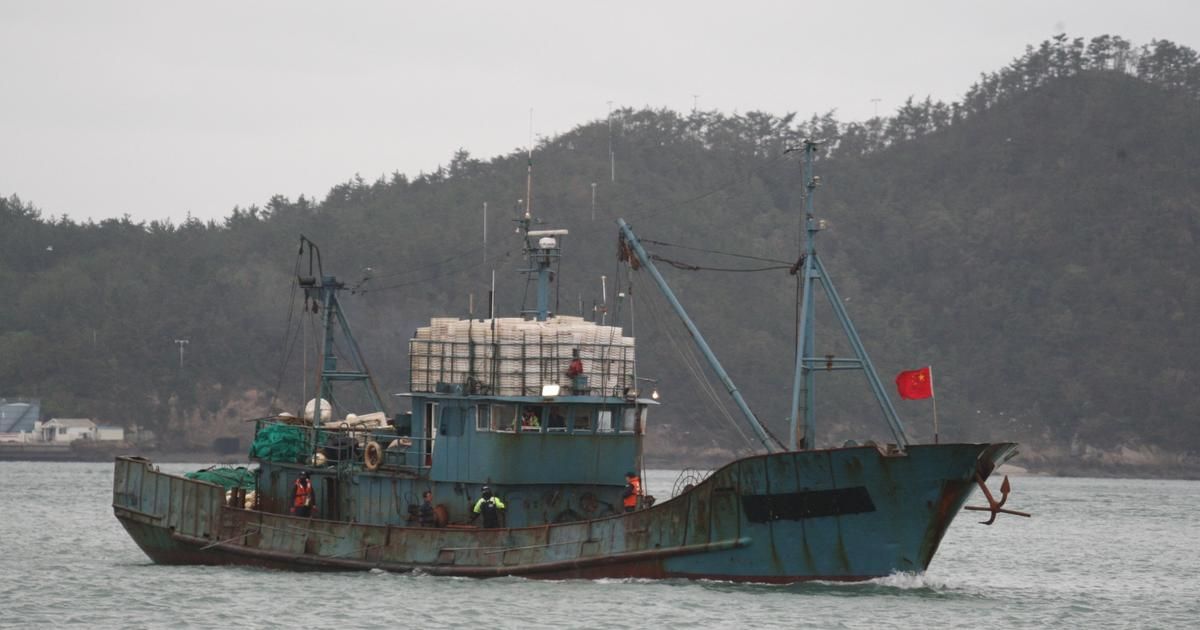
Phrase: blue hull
(835, 514)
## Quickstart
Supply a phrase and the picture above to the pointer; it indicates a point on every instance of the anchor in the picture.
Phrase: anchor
(994, 506)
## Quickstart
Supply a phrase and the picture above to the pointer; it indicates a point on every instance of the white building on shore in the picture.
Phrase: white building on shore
(67, 430)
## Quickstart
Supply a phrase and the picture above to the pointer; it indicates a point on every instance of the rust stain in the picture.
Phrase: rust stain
(952, 496)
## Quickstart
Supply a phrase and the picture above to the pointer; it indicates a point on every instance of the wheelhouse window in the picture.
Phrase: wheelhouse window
(557, 420)
(604, 423)
(532, 417)
(504, 417)
(483, 418)
(628, 419)
(583, 419)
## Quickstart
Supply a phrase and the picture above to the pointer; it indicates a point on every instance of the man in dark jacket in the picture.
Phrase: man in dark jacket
(426, 515)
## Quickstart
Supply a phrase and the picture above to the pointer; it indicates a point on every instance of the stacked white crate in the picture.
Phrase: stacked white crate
(418, 360)
(518, 356)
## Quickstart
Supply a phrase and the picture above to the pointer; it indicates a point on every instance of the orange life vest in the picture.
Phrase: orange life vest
(632, 499)
(303, 494)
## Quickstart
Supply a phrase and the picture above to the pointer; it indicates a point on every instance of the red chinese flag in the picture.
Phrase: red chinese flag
(915, 384)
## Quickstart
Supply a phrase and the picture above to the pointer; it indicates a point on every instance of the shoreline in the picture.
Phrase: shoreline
(1185, 470)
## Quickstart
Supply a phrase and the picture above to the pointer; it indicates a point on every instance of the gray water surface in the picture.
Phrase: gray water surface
(1098, 553)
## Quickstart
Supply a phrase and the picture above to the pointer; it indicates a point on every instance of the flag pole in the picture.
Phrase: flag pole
(933, 395)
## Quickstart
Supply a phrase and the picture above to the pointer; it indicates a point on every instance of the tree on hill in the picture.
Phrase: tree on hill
(1034, 242)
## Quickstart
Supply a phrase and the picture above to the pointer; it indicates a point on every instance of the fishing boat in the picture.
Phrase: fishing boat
(545, 411)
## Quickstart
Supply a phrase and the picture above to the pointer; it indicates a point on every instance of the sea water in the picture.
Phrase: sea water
(1098, 553)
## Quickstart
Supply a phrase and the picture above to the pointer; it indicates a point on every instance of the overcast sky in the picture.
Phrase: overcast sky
(158, 109)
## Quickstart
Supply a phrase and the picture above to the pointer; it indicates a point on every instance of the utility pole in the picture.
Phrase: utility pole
(875, 101)
(181, 343)
(593, 201)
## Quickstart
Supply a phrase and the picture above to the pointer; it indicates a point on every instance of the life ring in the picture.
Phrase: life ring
(372, 455)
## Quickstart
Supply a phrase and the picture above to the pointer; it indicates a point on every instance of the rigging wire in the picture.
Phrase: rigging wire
(716, 251)
(289, 341)
(690, 267)
(692, 363)
(409, 270)
(438, 274)
(647, 210)
(713, 395)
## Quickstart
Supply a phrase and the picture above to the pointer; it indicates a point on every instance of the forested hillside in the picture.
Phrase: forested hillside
(1034, 243)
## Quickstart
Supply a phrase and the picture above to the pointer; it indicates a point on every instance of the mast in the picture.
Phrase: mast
(541, 246)
(324, 292)
(802, 384)
(542, 249)
(628, 237)
(812, 272)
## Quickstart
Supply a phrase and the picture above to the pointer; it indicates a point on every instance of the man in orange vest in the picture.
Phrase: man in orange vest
(633, 490)
(302, 496)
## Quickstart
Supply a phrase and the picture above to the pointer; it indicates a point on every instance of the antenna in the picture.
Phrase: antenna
(485, 231)
(612, 159)
(604, 299)
(181, 343)
(529, 172)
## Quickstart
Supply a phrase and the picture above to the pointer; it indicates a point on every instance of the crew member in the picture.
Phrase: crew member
(633, 490)
(302, 496)
(529, 419)
(489, 506)
(576, 367)
(426, 516)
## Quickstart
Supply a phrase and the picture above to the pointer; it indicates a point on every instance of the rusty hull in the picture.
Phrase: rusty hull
(832, 514)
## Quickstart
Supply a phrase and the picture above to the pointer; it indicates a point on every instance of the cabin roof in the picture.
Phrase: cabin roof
(71, 423)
